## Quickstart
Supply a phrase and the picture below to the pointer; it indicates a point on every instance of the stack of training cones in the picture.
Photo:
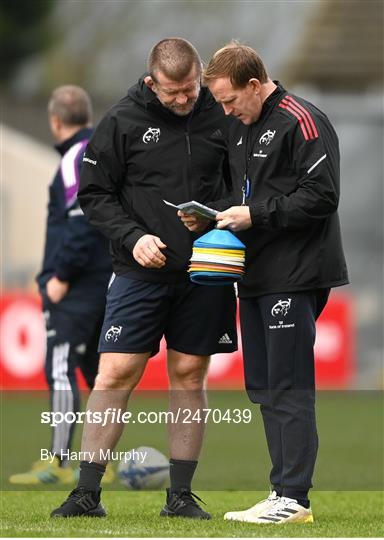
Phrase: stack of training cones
(217, 258)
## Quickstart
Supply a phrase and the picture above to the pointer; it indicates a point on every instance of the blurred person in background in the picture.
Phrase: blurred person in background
(165, 140)
(284, 157)
(73, 281)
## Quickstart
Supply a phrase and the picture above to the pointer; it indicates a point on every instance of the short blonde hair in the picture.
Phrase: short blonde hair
(175, 57)
(238, 62)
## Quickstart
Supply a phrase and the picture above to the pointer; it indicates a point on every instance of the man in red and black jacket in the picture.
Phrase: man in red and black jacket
(284, 158)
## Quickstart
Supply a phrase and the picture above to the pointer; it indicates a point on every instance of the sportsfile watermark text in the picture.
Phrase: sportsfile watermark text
(118, 416)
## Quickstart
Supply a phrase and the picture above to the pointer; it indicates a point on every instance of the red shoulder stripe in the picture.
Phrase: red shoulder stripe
(298, 116)
(293, 107)
(306, 113)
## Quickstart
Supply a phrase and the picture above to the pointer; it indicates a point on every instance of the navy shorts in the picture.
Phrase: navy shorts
(195, 319)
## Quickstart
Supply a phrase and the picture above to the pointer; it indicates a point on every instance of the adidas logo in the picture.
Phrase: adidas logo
(225, 339)
(216, 133)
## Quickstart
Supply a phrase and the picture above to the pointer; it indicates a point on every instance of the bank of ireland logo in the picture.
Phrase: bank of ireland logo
(267, 137)
(281, 308)
(151, 135)
(113, 333)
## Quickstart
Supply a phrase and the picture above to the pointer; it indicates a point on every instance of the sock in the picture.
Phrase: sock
(91, 475)
(300, 496)
(304, 502)
(278, 490)
(181, 473)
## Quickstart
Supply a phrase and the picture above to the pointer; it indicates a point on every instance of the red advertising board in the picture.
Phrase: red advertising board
(22, 348)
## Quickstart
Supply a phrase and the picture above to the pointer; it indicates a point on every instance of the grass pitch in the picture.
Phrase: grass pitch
(136, 514)
(235, 455)
(234, 463)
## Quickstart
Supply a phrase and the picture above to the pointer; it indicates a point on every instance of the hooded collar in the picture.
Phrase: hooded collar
(142, 93)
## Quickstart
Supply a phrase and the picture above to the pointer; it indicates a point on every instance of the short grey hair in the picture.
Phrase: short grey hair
(71, 104)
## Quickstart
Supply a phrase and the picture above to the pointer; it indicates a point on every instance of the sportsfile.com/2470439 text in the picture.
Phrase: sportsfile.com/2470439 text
(179, 415)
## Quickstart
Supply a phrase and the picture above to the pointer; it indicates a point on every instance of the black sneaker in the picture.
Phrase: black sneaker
(81, 502)
(183, 504)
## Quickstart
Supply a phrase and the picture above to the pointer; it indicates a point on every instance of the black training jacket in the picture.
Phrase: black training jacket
(74, 250)
(291, 158)
(140, 154)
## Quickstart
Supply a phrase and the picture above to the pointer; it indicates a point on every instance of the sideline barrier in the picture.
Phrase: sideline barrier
(22, 349)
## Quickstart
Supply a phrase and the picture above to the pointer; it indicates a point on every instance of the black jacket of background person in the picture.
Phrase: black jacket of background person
(74, 250)
(140, 154)
(291, 157)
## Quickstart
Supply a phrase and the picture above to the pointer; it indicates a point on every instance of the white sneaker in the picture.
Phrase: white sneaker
(283, 511)
(256, 511)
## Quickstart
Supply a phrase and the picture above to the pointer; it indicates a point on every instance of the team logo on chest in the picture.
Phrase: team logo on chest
(264, 140)
(267, 137)
(151, 135)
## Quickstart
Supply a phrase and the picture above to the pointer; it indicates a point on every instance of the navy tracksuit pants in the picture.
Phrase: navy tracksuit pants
(278, 334)
(72, 338)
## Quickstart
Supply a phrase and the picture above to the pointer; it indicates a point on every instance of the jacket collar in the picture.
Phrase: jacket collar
(80, 135)
(272, 99)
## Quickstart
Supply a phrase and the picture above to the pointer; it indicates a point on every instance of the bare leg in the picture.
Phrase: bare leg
(187, 391)
(118, 375)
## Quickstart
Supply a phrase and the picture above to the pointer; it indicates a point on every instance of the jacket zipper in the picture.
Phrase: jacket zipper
(247, 181)
(188, 143)
(189, 154)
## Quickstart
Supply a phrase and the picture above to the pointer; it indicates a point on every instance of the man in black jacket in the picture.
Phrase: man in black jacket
(166, 140)
(73, 282)
(284, 156)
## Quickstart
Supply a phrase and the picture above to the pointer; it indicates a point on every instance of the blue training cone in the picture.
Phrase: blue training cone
(218, 258)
